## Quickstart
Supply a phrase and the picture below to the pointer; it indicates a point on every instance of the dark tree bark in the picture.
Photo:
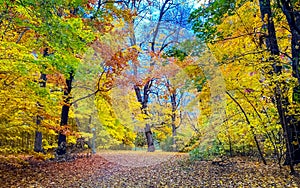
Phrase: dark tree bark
(62, 139)
(143, 100)
(272, 45)
(290, 129)
(149, 138)
(173, 117)
(94, 141)
(271, 39)
(293, 19)
(38, 142)
(174, 104)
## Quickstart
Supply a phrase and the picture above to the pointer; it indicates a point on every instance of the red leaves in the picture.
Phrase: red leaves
(92, 1)
(103, 27)
(51, 174)
(56, 78)
(248, 90)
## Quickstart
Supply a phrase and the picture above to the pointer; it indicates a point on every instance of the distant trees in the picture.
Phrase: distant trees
(155, 27)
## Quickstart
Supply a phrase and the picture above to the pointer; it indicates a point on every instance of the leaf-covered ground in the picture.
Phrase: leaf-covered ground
(134, 169)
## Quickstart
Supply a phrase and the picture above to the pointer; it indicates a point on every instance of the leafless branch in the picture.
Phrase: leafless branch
(87, 96)
(167, 44)
(84, 87)
(22, 34)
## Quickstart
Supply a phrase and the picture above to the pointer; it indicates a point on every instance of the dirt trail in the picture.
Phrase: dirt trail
(139, 158)
(142, 169)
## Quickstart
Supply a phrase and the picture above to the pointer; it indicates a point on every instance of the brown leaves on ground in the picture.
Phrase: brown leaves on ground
(133, 169)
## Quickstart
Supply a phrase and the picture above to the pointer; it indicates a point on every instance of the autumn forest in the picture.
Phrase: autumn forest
(140, 93)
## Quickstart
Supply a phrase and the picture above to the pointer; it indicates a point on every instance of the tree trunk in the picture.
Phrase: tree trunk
(38, 142)
(271, 39)
(62, 139)
(143, 100)
(149, 137)
(94, 140)
(174, 134)
(230, 146)
(272, 45)
(293, 128)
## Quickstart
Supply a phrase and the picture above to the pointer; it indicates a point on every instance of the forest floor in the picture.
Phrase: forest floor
(142, 169)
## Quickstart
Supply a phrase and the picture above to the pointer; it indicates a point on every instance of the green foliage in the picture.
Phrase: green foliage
(195, 154)
(120, 147)
(104, 140)
(175, 52)
(140, 140)
(207, 152)
(207, 17)
(296, 94)
(167, 144)
(37, 37)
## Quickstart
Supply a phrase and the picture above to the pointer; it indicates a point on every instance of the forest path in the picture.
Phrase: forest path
(139, 158)
(143, 169)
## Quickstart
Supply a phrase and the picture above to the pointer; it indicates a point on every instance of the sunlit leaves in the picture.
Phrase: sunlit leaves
(37, 37)
(208, 16)
(246, 69)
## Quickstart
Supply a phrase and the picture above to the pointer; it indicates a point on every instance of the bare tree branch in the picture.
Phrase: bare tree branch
(22, 34)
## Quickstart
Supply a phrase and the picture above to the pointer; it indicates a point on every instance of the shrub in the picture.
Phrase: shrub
(167, 144)
(206, 152)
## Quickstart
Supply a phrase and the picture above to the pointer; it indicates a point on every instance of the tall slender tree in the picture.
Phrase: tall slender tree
(292, 13)
(38, 142)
